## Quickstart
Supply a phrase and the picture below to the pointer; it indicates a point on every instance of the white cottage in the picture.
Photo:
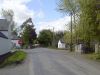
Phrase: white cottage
(5, 43)
(61, 44)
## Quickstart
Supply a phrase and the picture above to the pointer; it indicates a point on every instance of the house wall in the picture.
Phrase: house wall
(15, 42)
(5, 33)
(78, 48)
(5, 46)
(97, 48)
(61, 45)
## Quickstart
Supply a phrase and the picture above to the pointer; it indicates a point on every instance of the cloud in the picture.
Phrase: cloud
(40, 14)
(21, 11)
(59, 24)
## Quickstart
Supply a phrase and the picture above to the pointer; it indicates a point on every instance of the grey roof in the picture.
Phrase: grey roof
(4, 24)
(3, 36)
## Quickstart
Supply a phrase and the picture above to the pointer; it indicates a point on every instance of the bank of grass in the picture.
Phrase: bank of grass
(93, 56)
(13, 58)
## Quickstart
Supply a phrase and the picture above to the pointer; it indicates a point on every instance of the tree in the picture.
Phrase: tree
(58, 35)
(45, 37)
(69, 7)
(88, 20)
(87, 27)
(28, 34)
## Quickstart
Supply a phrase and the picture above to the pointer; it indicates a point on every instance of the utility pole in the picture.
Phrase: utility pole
(71, 40)
(53, 41)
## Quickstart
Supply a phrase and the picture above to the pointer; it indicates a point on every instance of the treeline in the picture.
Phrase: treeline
(85, 21)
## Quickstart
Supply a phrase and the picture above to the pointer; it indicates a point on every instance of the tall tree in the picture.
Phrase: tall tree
(69, 7)
(28, 34)
(45, 37)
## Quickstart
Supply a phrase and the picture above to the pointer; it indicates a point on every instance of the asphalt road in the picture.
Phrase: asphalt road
(43, 61)
(56, 62)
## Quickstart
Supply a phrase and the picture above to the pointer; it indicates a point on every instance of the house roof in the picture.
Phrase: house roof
(3, 36)
(4, 24)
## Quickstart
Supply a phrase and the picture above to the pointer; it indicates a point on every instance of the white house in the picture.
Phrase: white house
(5, 43)
(61, 44)
(78, 48)
(14, 41)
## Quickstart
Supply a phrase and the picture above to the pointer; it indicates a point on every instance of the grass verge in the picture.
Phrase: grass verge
(93, 56)
(50, 47)
(13, 58)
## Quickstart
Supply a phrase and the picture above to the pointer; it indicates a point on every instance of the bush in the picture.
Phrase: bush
(14, 58)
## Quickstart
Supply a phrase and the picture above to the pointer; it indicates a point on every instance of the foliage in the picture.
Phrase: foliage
(45, 37)
(16, 57)
(67, 37)
(88, 19)
(94, 56)
(87, 27)
(68, 6)
(28, 35)
(57, 36)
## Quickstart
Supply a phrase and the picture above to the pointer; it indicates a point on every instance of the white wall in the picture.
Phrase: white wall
(5, 33)
(97, 47)
(61, 45)
(15, 42)
(5, 45)
(78, 48)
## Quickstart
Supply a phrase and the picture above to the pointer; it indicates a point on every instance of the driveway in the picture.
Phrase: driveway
(43, 61)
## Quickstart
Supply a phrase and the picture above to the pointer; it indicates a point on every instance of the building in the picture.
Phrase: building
(14, 41)
(5, 43)
(61, 44)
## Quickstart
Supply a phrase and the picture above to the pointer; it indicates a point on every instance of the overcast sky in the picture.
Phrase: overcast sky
(43, 12)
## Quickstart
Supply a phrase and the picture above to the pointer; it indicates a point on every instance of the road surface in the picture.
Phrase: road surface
(56, 62)
(43, 61)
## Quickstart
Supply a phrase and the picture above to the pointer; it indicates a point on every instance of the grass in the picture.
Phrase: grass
(93, 56)
(50, 47)
(13, 58)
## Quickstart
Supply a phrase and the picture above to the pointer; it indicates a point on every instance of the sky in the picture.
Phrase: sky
(44, 13)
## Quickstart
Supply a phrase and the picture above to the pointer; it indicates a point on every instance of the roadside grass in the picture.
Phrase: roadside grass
(93, 56)
(50, 47)
(13, 58)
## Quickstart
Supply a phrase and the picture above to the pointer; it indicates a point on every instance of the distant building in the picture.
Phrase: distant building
(14, 41)
(61, 44)
(5, 43)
